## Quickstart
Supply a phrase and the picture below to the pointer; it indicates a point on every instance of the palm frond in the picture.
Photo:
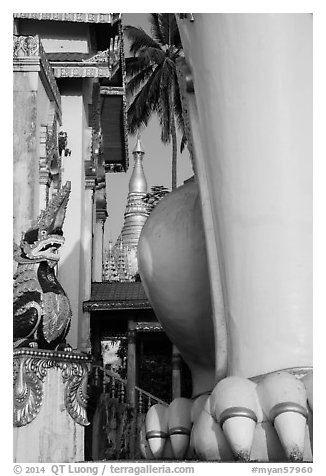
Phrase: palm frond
(165, 21)
(144, 103)
(134, 64)
(175, 34)
(156, 28)
(139, 39)
(152, 55)
(136, 122)
(167, 75)
(178, 112)
(152, 79)
(184, 142)
(164, 108)
(137, 80)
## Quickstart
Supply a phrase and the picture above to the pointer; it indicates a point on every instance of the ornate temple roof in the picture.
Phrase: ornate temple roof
(117, 295)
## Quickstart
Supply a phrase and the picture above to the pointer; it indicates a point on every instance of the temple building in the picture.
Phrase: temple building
(70, 125)
(135, 363)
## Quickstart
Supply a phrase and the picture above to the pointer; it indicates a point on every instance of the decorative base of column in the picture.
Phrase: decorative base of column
(49, 405)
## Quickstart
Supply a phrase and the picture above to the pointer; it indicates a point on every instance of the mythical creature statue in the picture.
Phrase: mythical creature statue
(42, 312)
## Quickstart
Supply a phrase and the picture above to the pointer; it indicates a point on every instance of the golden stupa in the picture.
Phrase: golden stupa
(121, 263)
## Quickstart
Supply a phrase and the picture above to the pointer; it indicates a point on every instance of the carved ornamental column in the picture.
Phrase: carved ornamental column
(101, 215)
(84, 327)
(100, 205)
(49, 405)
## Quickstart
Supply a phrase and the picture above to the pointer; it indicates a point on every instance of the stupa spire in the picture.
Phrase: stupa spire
(136, 212)
(138, 149)
(121, 263)
(138, 183)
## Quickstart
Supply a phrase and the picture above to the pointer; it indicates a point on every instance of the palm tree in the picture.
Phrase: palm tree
(152, 85)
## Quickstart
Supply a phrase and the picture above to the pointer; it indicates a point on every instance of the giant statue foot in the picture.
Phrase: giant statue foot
(264, 416)
(226, 261)
(264, 419)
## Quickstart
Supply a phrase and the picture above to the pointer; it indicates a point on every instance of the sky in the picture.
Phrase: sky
(157, 159)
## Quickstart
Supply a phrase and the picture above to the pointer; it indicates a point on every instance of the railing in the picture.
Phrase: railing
(145, 400)
(117, 421)
(116, 387)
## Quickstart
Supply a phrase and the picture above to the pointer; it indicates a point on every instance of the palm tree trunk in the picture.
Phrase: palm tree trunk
(174, 153)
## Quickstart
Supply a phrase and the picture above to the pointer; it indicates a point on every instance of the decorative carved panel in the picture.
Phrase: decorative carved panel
(73, 17)
(26, 46)
(28, 56)
(30, 371)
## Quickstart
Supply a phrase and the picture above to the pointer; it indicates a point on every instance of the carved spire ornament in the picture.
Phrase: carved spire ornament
(136, 212)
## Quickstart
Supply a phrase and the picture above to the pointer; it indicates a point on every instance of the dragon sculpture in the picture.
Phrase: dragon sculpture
(42, 312)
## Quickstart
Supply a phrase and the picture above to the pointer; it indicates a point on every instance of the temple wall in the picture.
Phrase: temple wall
(73, 263)
(55, 37)
(69, 269)
(31, 109)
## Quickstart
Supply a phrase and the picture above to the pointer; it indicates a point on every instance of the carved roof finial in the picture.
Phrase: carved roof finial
(137, 181)
(138, 149)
